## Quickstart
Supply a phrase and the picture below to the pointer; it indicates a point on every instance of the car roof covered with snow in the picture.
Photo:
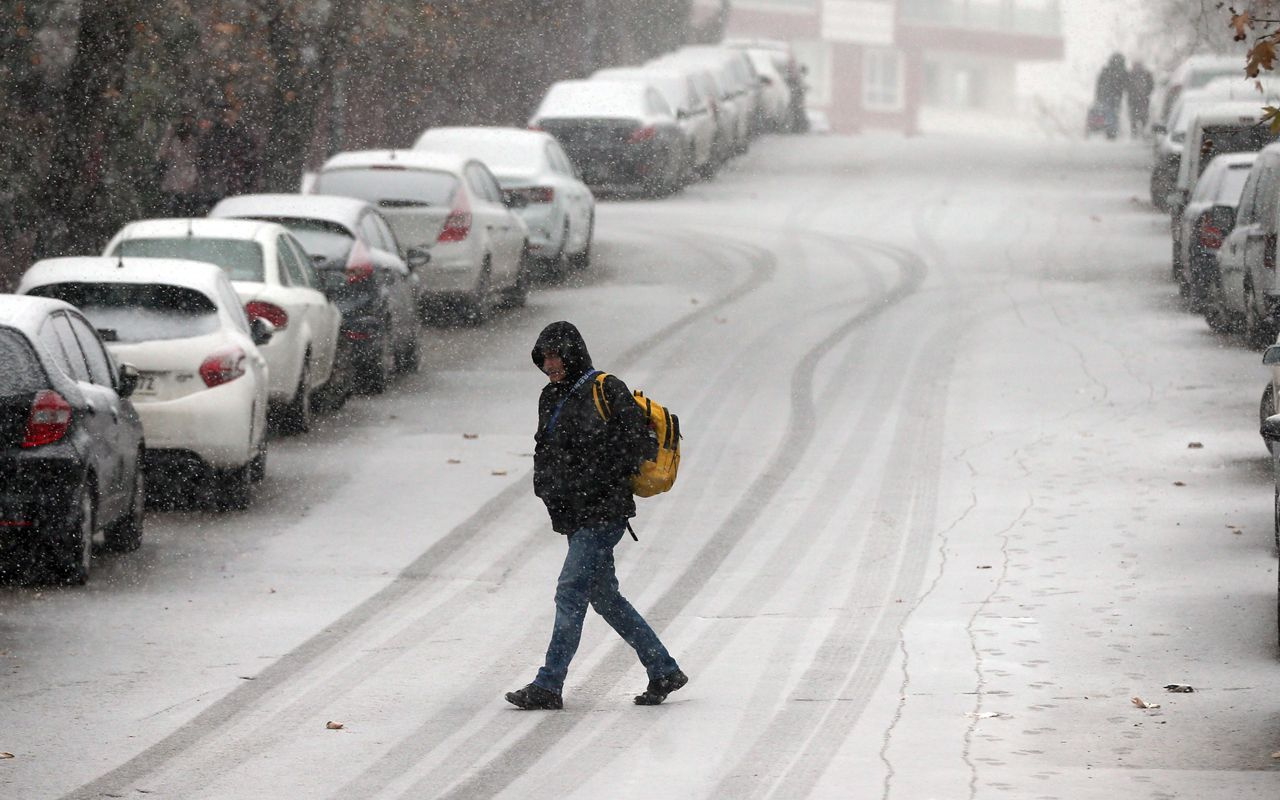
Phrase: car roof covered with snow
(197, 275)
(594, 98)
(202, 227)
(404, 159)
(345, 211)
(26, 313)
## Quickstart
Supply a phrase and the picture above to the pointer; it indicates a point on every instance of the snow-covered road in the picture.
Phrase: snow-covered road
(937, 523)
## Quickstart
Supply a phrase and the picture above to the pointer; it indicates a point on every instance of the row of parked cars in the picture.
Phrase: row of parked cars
(1216, 170)
(168, 356)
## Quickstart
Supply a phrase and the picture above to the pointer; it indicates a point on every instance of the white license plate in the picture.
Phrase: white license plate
(148, 383)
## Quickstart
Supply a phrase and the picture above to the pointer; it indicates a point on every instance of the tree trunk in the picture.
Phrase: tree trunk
(74, 203)
(300, 87)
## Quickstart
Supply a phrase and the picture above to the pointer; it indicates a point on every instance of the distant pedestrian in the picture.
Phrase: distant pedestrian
(1110, 90)
(178, 160)
(582, 466)
(228, 158)
(1139, 88)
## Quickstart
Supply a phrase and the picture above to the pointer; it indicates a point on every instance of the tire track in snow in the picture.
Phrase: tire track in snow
(217, 718)
(508, 765)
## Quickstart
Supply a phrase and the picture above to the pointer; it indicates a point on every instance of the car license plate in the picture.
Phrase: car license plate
(148, 383)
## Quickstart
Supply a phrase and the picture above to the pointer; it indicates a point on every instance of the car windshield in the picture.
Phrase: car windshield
(390, 187)
(22, 373)
(241, 259)
(321, 238)
(1233, 184)
(500, 154)
(138, 312)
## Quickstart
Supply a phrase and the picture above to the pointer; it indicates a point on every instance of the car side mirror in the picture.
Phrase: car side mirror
(417, 257)
(1159, 129)
(765, 80)
(129, 376)
(682, 113)
(261, 331)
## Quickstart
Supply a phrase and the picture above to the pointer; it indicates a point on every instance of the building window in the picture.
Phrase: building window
(882, 79)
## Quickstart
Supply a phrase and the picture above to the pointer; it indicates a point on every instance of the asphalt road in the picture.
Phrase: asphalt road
(938, 522)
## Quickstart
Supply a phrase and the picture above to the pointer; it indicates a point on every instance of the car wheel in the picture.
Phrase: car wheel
(377, 372)
(582, 260)
(258, 466)
(410, 356)
(1257, 332)
(125, 534)
(297, 415)
(233, 488)
(478, 307)
(73, 553)
(518, 293)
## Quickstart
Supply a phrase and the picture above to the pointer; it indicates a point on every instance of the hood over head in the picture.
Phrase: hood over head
(563, 338)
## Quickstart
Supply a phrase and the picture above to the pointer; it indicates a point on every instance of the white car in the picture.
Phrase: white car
(693, 114)
(559, 209)
(450, 205)
(202, 385)
(275, 281)
(775, 95)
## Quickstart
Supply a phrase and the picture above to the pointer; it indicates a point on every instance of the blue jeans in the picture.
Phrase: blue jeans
(588, 577)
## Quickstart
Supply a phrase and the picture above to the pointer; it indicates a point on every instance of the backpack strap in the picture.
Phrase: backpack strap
(597, 394)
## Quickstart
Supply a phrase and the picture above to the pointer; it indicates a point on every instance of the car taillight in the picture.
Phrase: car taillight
(49, 419)
(457, 226)
(222, 367)
(1209, 234)
(258, 309)
(535, 127)
(359, 264)
(643, 134)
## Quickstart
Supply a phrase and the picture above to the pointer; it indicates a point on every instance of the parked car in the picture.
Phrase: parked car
(362, 269)
(532, 170)
(1225, 127)
(738, 78)
(201, 390)
(792, 72)
(693, 114)
(450, 206)
(775, 91)
(620, 134)
(1248, 289)
(1194, 72)
(275, 281)
(71, 443)
(1205, 222)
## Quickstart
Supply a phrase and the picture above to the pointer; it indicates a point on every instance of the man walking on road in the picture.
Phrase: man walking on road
(1140, 86)
(582, 468)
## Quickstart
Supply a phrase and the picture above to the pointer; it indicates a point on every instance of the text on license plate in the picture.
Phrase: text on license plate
(148, 383)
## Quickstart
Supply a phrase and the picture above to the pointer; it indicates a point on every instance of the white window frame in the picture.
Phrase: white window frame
(883, 79)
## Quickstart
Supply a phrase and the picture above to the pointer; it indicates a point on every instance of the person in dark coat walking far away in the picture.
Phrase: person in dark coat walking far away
(1140, 86)
(1110, 89)
(582, 468)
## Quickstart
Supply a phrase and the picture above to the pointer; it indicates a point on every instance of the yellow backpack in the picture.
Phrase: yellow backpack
(658, 470)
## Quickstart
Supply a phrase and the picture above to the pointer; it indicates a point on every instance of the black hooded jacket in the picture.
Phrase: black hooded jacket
(582, 465)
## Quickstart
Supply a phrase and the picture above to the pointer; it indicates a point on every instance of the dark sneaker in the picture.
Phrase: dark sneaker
(534, 697)
(658, 690)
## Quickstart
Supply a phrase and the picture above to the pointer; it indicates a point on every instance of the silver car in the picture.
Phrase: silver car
(557, 206)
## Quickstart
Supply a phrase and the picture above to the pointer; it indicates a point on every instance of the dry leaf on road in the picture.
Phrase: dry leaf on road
(1195, 445)
(333, 726)
(11, 755)
(1140, 703)
(1180, 688)
(470, 436)
(1179, 483)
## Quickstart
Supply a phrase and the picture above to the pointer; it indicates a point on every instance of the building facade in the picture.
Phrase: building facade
(877, 63)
